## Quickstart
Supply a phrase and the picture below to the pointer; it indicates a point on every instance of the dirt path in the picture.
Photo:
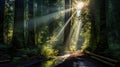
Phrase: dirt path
(80, 61)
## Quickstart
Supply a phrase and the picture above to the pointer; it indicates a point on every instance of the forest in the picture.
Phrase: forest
(46, 29)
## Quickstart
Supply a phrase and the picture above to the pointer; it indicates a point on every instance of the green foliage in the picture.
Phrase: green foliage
(48, 52)
(46, 35)
(73, 48)
(48, 63)
(86, 44)
(86, 28)
(9, 20)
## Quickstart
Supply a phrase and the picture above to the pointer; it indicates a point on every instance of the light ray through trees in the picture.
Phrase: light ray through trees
(54, 39)
(50, 17)
(66, 24)
(72, 41)
(74, 36)
(47, 18)
(74, 32)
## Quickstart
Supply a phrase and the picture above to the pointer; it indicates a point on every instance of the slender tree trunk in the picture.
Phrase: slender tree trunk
(2, 4)
(26, 22)
(31, 24)
(52, 9)
(38, 14)
(67, 17)
(18, 34)
(51, 26)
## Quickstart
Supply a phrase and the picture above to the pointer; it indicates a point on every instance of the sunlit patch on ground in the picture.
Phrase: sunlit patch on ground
(70, 55)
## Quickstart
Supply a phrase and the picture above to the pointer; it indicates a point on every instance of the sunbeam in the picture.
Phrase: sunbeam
(54, 39)
(66, 24)
(45, 19)
(74, 32)
(50, 17)
(74, 36)
(72, 40)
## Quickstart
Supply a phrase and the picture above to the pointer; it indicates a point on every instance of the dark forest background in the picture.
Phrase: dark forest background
(28, 28)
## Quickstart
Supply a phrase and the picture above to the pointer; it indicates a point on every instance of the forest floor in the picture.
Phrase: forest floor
(72, 60)
(80, 60)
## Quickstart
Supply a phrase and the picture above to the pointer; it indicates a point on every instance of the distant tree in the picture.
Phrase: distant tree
(31, 23)
(67, 16)
(18, 34)
(38, 14)
(102, 35)
(52, 9)
(2, 5)
(26, 20)
(99, 40)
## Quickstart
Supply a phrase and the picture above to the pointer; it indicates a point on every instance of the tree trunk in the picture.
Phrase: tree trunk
(102, 44)
(2, 4)
(52, 9)
(67, 17)
(31, 24)
(38, 25)
(98, 41)
(51, 24)
(18, 34)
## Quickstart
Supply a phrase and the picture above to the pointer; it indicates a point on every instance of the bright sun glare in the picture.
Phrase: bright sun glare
(80, 5)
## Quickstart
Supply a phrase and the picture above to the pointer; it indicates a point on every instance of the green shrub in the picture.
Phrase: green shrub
(48, 52)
